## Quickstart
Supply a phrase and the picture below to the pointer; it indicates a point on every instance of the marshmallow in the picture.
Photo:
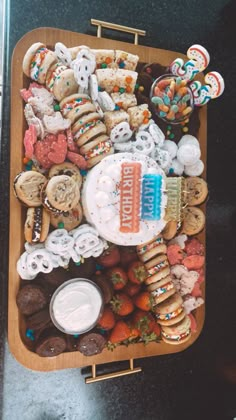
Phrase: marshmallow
(188, 154)
(195, 169)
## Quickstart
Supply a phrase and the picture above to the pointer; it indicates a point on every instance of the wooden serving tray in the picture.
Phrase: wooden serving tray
(50, 36)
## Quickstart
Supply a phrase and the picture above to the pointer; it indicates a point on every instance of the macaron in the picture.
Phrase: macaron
(151, 249)
(36, 225)
(60, 194)
(27, 187)
(162, 289)
(61, 82)
(75, 106)
(171, 311)
(37, 61)
(95, 150)
(157, 268)
(178, 333)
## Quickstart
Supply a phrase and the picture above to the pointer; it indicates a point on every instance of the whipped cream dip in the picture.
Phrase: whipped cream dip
(76, 306)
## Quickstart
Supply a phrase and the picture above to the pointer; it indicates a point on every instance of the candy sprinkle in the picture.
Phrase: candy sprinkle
(60, 225)
(57, 107)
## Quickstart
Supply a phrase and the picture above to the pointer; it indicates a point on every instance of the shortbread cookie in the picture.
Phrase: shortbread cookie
(162, 289)
(170, 230)
(28, 186)
(151, 249)
(171, 311)
(157, 268)
(75, 106)
(61, 193)
(61, 81)
(95, 150)
(178, 333)
(194, 220)
(197, 190)
(37, 61)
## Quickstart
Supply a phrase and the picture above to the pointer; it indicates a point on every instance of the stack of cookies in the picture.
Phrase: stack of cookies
(167, 303)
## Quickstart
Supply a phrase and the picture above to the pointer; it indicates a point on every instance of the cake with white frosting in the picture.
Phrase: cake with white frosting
(124, 198)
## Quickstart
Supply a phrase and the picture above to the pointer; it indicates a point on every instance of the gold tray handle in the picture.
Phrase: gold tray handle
(95, 378)
(101, 24)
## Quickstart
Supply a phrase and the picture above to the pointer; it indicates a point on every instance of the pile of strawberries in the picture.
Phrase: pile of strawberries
(127, 318)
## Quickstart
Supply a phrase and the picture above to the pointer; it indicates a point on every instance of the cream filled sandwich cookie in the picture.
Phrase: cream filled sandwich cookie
(124, 198)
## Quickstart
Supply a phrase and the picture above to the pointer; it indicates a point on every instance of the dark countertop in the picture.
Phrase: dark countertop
(185, 385)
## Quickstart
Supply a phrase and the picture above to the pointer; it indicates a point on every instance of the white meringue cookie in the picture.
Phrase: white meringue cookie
(194, 170)
(188, 139)
(171, 147)
(176, 168)
(188, 154)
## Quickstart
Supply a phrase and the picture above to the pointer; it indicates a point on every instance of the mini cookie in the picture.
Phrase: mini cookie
(60, 194)
(50, 344)
(171, 311)
(84, 270)
(39, 320)
(36, 225)
(91, 343)
(179, 333)
(157, 268)
(95, 150)
(151, 249)
(170, 230)
(37, 61)
(66, 168)
(31, 299)
(75, 106)
(56, 277)
(51, 150)
(194, 220)
(196, 190)
(28, 186)
(162, 289)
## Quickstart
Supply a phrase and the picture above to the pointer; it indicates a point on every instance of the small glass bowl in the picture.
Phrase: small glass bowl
(65, 295)
(168, 97)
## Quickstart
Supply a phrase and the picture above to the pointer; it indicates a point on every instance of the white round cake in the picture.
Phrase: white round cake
(124, 198)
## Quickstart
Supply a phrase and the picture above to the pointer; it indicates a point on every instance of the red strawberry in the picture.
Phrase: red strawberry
(132, 289)
(107, 320)
(120, 332)
(122, 304)
(127, 256)
(137, 272)
(118, 277)
(148, 328)
(110, 257)
(143, 301)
